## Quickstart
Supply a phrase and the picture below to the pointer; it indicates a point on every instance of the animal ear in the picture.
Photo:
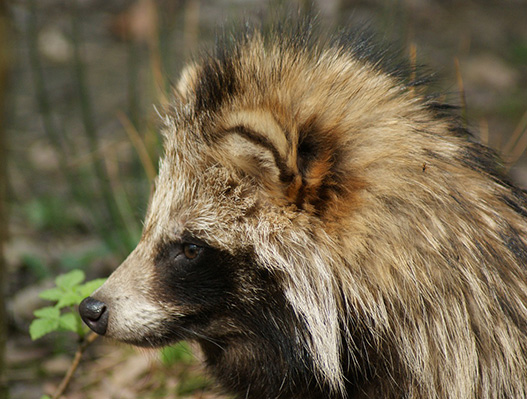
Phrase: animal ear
(305, 166)
(254, 143)
(187, 81)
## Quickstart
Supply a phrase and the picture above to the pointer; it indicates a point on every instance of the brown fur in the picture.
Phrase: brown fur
(377, 249)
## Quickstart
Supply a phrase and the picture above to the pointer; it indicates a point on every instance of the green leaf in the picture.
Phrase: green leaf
(69, 299)
(68, 322)
(41, 327)
(69, 292)
(53, 294)
(49, 312)
(70, 280)
(87, 289)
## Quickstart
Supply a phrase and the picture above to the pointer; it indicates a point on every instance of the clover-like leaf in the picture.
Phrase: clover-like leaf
(68, 292)
(69, 322)
(40, 327)
(53, 294)
(70, 279)
(87, 289)
(68, 299)
(49, 312)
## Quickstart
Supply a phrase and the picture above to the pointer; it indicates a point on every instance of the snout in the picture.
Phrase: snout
(125, 307)
(95, 314)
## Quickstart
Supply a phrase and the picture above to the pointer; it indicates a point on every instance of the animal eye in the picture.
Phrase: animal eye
(191, 251)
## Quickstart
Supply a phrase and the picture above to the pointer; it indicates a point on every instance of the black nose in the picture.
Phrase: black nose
(95, 314)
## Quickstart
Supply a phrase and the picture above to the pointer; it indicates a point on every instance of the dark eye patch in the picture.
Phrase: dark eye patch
(190, 272)
(181, 257)
(185, 252)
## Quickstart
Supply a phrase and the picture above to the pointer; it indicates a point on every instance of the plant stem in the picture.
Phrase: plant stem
(89, 339)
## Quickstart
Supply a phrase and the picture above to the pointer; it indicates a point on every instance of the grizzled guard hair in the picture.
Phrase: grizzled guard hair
(323, 229)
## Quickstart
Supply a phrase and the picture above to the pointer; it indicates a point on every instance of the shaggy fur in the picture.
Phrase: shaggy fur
(352, 240)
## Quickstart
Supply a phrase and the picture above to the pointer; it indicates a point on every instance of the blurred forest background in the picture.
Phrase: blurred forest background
(80, 133)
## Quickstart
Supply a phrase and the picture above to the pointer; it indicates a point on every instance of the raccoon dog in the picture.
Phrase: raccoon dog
(325, 230)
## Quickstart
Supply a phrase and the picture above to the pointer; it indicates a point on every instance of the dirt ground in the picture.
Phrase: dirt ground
(487, 39)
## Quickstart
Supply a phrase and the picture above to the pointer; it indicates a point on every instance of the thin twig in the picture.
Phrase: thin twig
(156, 59)
(90, 338)
(191, 27)
(461, 91)
(516, 135)
(484, 132)
(413, 66)
(521, 145)
(139, 145)
(121, 197)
